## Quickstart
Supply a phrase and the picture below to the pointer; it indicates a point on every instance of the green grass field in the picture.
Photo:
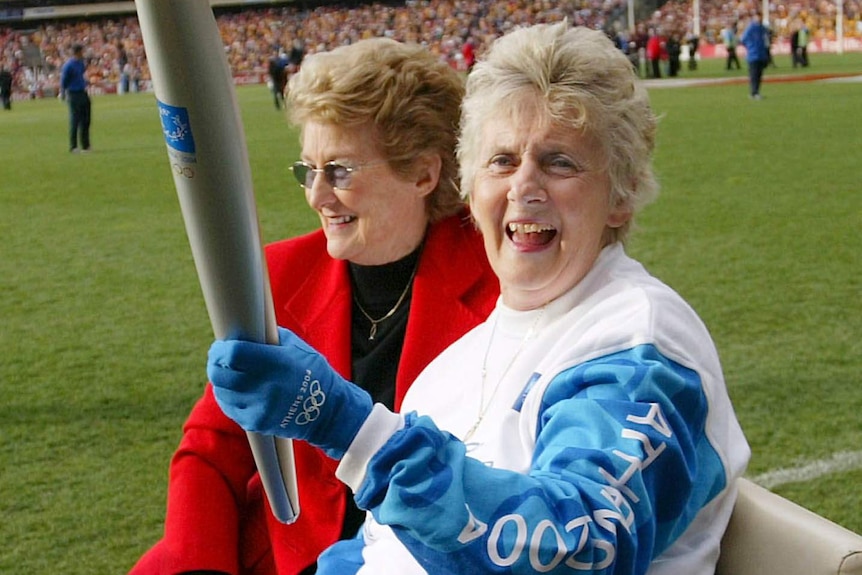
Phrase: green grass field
(849, 63)
(104, 331)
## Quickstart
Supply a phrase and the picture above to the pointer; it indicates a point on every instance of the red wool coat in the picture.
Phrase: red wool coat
(216, 517)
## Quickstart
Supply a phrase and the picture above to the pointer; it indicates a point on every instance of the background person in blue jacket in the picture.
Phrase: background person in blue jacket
(755, 38)
(73, 89)
(585, 427)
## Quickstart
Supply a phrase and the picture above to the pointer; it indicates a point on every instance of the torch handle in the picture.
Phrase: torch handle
(206, 148)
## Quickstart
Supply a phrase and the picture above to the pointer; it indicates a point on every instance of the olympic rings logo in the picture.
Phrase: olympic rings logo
(312, 404)
(186, 172)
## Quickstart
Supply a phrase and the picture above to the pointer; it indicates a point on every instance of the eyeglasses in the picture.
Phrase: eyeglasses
(336, 175)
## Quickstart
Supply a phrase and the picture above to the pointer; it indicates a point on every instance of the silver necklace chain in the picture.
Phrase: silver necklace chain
(483, 406)
(388, 314)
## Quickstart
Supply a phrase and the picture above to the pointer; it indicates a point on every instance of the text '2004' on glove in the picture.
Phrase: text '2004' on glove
(288, 390)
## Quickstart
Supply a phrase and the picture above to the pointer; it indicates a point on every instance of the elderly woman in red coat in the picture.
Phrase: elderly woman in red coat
(396, 273)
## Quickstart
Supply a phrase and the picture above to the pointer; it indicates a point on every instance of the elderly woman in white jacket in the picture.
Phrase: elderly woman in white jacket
(585, 427)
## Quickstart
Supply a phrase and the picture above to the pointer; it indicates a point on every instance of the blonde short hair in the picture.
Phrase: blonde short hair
(582, 81)
(411, 97)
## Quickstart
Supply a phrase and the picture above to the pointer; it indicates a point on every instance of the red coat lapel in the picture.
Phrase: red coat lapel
(450, 296)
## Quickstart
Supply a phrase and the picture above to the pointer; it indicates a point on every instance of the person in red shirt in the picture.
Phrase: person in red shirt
(655, 53)
(396, 273)
(468, 51)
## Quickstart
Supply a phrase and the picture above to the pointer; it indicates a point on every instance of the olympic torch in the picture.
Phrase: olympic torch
(208, 157)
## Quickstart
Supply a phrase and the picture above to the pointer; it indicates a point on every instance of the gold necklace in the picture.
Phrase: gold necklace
(483, 407)
(373, 321)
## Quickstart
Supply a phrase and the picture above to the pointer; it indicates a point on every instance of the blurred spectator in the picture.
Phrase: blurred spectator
(755, 38)
(674, 51)
(125, 69)
(804, 37)
(693, 41)
(728, 36)
(297, 53)
(770, 36)
(73, 89)
(655, 53)
(5, 87)
(278, 78)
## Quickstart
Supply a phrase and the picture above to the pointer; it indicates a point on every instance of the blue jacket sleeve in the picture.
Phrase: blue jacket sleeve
(621, 467)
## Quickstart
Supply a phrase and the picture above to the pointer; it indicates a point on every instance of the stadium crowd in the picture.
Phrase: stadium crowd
(456, 30)
(818, 15)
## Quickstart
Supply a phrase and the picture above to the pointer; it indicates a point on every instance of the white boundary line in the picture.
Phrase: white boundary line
(838, 462)
(844, 79)
(657, 83)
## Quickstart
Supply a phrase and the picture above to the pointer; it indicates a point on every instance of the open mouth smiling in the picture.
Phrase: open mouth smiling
(340, 220)
(530, 234)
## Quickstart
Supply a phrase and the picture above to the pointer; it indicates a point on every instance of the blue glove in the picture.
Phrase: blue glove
(288, 390)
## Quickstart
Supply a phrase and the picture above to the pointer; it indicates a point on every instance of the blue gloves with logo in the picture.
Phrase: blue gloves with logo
(288, 390)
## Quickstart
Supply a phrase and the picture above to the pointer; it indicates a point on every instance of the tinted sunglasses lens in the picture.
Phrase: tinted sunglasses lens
(303, 173)
(337, 176)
